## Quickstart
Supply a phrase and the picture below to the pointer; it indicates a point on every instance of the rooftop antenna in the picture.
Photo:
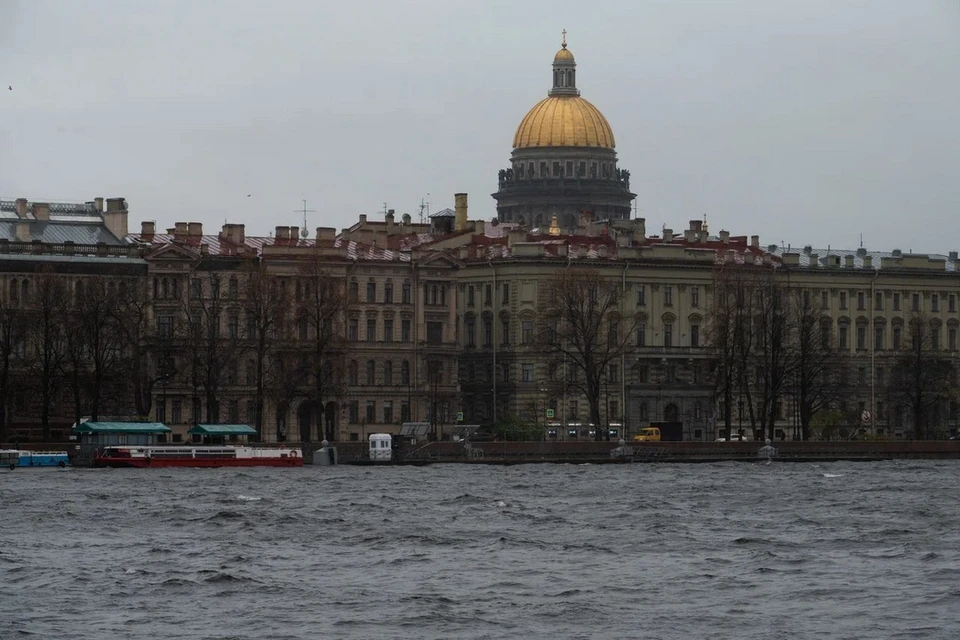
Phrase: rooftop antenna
(861, 241)
(384, 208)
(424, 207)
(303, 231)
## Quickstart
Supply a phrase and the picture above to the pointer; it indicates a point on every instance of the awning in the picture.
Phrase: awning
(122, 427)
(223, 430)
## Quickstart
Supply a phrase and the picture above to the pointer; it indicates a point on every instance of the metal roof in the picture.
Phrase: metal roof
(122, 427)
(223, 430)
(56, 232)
(807, 252)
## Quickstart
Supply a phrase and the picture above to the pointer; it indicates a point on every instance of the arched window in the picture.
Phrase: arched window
(405, 372)
(353, 373)
(371, 372)
(388, 373)
(164, 288)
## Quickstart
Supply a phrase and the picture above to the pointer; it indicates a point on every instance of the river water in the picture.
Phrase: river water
(727, 550)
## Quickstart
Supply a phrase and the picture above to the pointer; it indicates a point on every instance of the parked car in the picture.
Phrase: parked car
(648, 434)
(736, 437)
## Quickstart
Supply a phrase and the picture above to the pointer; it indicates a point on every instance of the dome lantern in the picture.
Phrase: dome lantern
(564, 71)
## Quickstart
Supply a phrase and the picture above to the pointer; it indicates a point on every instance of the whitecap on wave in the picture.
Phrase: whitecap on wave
(833, 475)
(248, 498)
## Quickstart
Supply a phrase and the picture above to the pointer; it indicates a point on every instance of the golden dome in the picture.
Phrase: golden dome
(564, 55)
(564, 121)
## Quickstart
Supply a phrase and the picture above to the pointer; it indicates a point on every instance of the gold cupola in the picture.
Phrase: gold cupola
(563, 118)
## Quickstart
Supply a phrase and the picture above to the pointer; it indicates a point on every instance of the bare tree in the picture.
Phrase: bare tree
(265, 303)
(321, 303)
(13, 329)
(147, 350)
(47, 336)
(583, 327)
(773, 330)
(212, 356)
(920, 379)
(817, 371)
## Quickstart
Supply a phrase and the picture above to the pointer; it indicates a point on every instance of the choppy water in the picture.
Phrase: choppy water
(843, 550)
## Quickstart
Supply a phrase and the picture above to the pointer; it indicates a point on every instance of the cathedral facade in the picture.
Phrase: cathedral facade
(564, 161)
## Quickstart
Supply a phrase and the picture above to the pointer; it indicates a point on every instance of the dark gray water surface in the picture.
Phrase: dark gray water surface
(841, 550)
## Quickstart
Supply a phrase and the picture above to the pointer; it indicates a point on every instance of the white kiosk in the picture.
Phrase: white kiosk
(380, 447)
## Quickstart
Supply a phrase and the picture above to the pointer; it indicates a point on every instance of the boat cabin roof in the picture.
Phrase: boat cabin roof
(122, 427)
(223, 430)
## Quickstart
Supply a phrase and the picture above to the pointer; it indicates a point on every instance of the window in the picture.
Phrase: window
(668, 296)
(935, 303)
(405, 330)
(825, 334)
(371, 329)
(613, 413)
(354, 291)
(861, 375)
(232, 289)
(371, 410)
(861, 337)
(405, 372)
(526, 329)
(196, 289)
(471, 326)
(527, 371)
(353, 329)
(251, 412)
(896, 302)
(388, 373)
(878, 301)
(694, 296)
(470, 296)
(613, 373)
(388, 330)
(175, 411)
(353, 373)
(405, 293)
(165, 327)
(824, 300)
(303, 327)
(233, 324)
(505, 330)
(878, 338)
(843, 300)
(878, 376)
(694, 335)
(487, 332)
(488, 295)
(388, 412)
(897, 337)
(844, 337)
(371, 372)
(952, 338)
(404, 411)
(643, 374)
(505, 299)
(861, 301)
(161, 410)
(934, 338)
(668, 335)
(952, 303)
(641, 335)
(233, 411)
(915, 302)
(434, 332)
(388, 292)
(641, 295)
(354, 411)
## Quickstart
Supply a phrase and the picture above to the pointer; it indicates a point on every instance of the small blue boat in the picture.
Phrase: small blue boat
(13, 458)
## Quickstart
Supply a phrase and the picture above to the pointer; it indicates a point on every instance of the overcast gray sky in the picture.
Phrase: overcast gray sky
(807, 122)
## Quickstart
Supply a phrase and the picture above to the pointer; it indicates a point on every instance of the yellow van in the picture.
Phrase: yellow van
(649, 434)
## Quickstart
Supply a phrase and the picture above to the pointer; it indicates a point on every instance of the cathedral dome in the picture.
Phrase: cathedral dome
(564, 121)
(564, 55)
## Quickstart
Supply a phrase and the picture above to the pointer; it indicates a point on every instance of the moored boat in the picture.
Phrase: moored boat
(13, 458)
(198, 456)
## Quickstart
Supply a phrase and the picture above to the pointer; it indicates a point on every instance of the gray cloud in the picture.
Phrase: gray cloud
(810, 122)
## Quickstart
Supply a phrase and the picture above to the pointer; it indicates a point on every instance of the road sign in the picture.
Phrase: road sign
(550, 413)
(459, 416)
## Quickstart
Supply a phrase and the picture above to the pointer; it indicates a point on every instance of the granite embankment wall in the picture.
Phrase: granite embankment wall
(578, 452)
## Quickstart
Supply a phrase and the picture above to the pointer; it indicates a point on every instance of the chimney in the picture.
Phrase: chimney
(179, 230)
(724, 236)
(515, 236)
(582, 251)
(748, 257)
(98, 204)
(147, 229)
(21, 206)
(326, 234)
(293, 233)
(690, 235)
(233, 233)
(23, 231)
(115, 217)
(667, 235)
(755, 242)
(696, 225)
(602, 251)
(363, 218)
(389, 218)
(814, 260)
(281, 233)
(848, 260)
(41, 211)
(204, 249)
(479, 227)
(194, 228)
(868, 261)
(460, 208)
